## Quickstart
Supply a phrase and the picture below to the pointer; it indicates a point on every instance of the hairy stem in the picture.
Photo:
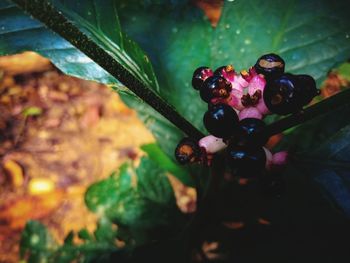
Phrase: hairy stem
(309, 113)
(46, 13)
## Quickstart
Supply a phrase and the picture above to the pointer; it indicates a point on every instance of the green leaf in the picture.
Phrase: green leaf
(329, 166)
(138, 199)
(344, 70)
(312, 36)
(36, 243)
(99, 20)
(105, 231)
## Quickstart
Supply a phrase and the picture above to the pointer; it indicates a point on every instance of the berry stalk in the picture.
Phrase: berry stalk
(325, 106)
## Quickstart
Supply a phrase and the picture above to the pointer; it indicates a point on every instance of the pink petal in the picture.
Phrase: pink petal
(250, 112)
(212, 144)
(280, 158)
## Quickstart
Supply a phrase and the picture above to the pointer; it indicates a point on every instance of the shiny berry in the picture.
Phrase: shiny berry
(199, 76)
(227, 72)
(283, 95)
(187, 151)
(289, 93)
(215, 87)
(249, 132)
(270, 65)
(309, 89)
(246, 161)
(220, 120)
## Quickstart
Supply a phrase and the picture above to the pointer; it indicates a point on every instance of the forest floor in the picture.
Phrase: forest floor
(58, 134)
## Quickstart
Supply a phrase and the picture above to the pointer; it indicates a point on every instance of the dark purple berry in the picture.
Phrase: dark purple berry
(270, 65)
(249, 132)
(283, 95)
(199, 76)
(187, 151)
(215, 87)
(309, 89)
(227, 72)
(220, 120)
(289, 93)
(246, 161)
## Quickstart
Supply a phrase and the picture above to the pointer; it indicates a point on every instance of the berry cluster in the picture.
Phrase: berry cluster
(237, 103)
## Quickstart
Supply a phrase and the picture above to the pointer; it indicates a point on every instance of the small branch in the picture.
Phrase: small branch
(46, 13)
(309, 113)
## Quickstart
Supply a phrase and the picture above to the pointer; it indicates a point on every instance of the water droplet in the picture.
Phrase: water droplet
(133, 18)
(174, 29)
(242, 50)
(268, 31)
(347, 36)
(226, 56)
(227, 26)
(220, 51)
(221, 37)
(247, 41)
(187, 85)
(2, 28)
(230, 0)
(238, 31)
(285, 39)
(89, 13)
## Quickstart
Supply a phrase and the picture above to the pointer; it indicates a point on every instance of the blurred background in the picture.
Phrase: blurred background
(58, 134)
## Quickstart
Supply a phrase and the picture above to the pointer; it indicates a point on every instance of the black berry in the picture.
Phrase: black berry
(246, 161)
(308, 88)
(270, 65)
(199, 76)
(187, 151)
(227, 72)
(220, 120)
(215, 87)
(289, 93)
(249, 132)
(283, 95)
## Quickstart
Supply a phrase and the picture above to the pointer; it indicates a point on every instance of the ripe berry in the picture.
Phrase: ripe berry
(249, 132)
(284, 95)
(199, 76)
(187, 151)
(227, 72)
(215, 87)
(270, 65)
(246, 161)
(220, 120)
(309, 90)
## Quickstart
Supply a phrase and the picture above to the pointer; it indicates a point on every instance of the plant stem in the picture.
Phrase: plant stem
(309, 113)
(53, 19)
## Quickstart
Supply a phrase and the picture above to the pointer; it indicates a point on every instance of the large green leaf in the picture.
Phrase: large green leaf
(311, 42)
